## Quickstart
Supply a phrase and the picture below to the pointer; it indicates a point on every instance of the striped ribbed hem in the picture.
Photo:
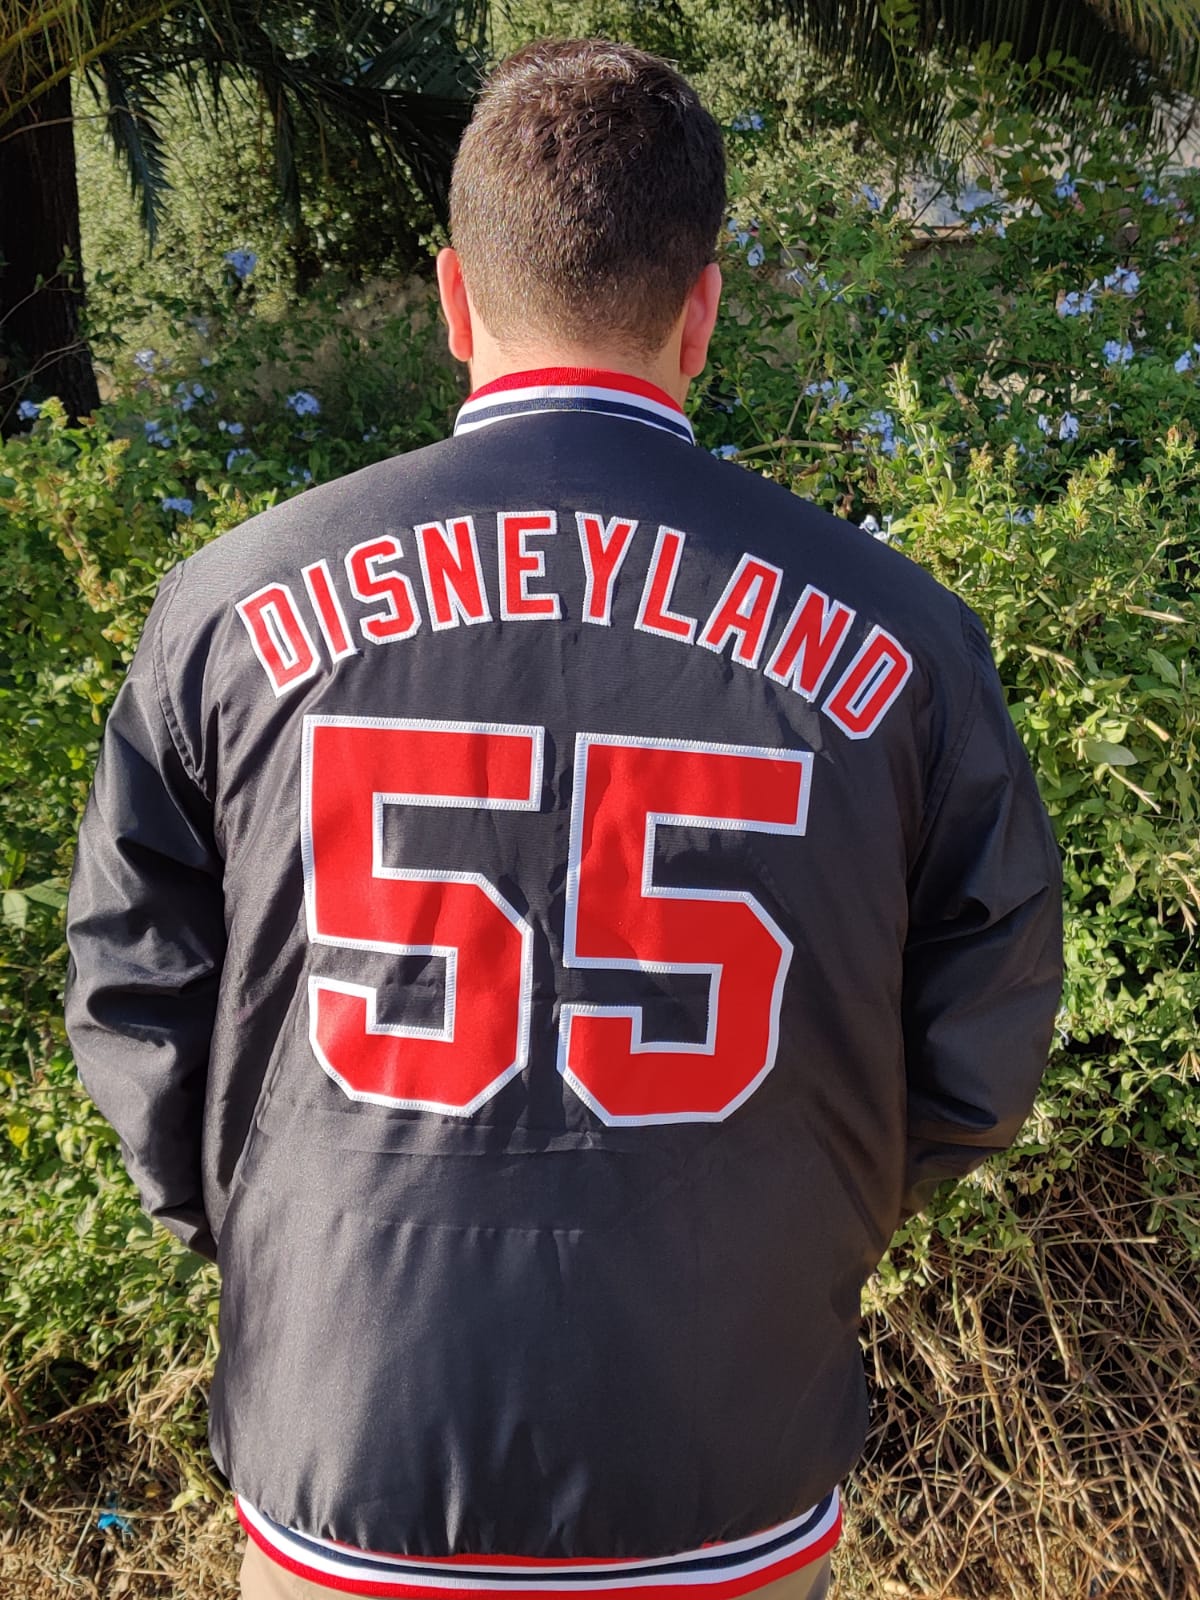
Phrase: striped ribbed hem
(612, 394)
(713, 1572)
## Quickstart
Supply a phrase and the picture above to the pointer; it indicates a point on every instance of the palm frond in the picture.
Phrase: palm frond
(133, 127)
(397, 78)
(45, 42)
(1142, 54)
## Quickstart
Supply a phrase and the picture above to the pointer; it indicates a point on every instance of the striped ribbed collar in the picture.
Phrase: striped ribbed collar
(612, 394)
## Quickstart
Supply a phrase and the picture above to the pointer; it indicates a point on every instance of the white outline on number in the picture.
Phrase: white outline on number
(651, 891)
(449, 953)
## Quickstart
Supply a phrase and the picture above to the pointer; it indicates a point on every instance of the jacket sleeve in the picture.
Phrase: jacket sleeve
(983, 957)
(146, 936)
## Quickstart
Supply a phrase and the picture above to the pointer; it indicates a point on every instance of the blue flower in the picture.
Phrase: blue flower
(1043, 422)
(301, 474)
(973, 199)
(748, 237)
(235, 455)
(1117, 354)
(747, 122)
(235, 430)
(725, 452)
(156, 433)
(144, 359)
(1123, 280)
(883, 425)
(243, 263)
(28, 410)
(178, 503)
(1064, 189)
(870, 524)
(833, 393)
(190, 394)
(304, 404)
(803, 277)
(1068, 426)
(1184, 363)
(1151, 195)
(1076, 304)
(871, 196)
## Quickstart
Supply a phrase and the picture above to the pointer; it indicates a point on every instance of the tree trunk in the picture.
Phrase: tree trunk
(41, 350)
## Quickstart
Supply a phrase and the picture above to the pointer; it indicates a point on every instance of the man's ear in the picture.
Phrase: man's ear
(456, 308)
(699, 319)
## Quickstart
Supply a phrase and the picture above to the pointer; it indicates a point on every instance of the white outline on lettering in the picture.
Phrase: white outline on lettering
(322, 566)
(389, 614)
(664, 611)
(868, 688)
(608, 532)
(458, 610)
(768, 572)
(523, 577)
(274, 629)
(790, 679)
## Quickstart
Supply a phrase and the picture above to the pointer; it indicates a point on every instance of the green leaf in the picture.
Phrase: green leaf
(1165, 669)
(16, 908)
(1102, 753)
(47, 894)
(1122, 889)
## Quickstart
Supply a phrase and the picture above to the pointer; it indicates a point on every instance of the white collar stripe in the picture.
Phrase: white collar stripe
(584, 391)
(501, 404)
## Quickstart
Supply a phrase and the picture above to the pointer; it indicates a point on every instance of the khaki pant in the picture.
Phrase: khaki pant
(264, 1579)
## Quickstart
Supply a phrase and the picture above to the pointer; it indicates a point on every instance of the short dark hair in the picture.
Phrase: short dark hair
(588, 194)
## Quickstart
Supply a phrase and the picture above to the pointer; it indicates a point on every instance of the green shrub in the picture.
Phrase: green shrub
(95, 1301)
(1015, 405)
(948, 391)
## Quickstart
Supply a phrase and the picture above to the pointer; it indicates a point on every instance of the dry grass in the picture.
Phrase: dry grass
(1036, 1436)
(1037, 1417)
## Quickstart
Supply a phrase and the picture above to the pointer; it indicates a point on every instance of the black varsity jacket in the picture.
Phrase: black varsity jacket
(549, 905)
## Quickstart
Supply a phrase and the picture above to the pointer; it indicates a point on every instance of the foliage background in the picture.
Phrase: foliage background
(1015, 406)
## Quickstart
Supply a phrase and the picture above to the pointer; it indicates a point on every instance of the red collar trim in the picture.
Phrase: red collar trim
(577, 378)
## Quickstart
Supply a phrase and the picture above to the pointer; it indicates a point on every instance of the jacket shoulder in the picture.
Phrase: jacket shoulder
(371, 495)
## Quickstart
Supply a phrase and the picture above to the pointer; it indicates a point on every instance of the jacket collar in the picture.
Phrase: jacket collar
(612, 394)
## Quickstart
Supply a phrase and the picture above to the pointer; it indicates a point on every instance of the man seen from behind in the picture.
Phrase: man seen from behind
(551, 904)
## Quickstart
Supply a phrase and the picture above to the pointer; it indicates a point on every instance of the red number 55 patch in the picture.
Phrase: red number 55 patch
(617, 917)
